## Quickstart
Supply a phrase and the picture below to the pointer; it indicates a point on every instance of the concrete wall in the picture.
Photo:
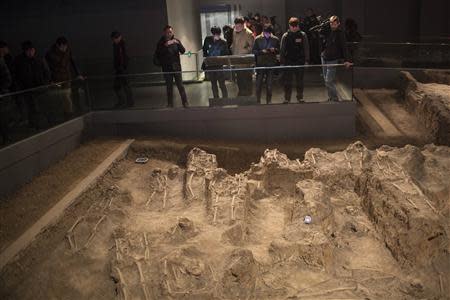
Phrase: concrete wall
(320, 7)
(435, 18)
(20, 162)
(88, 25)
(264, 7)
(184, 16)
(267, 123)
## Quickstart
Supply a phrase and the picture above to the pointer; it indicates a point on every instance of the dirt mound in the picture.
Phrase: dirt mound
(351, 224)
(431, 103)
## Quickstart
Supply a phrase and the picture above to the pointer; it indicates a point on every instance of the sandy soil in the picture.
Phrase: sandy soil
(431, 104)
(182, 227)
(393, 108)
(25, 206)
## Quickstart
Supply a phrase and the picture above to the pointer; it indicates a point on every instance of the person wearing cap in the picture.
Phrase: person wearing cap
(167, 56)
(335, 51)
(294, 52)
(30, 71)
(61, 64)
(216, 46)
(243, 45)
(266, 48)
(121, 59)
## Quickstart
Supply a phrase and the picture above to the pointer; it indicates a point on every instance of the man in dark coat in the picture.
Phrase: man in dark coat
(266, 48)
(294, 52)
(310, 21)
(216, 46)
(30, 71)
(5, 83)
(167, 56)
(61, 64)
(120, 60)
(335, 51)
(8, 58)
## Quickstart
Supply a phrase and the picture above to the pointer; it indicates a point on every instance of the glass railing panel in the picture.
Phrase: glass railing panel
(28, 112)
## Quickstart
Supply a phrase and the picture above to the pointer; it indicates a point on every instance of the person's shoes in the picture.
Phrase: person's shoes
(286, 102)
(301, 101)
(186, 104)
(333, 100)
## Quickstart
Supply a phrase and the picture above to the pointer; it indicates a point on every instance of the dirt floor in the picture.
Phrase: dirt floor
(194, 225)
(22, 208)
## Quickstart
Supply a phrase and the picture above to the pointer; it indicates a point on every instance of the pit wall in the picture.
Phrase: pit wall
(268, 123)
(20, 162)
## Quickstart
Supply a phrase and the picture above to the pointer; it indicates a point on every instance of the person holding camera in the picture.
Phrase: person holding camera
(167, 56)
(334, 51)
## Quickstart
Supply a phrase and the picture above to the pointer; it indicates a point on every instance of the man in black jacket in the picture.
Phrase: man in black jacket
(7, 57)
(294, 52)
(121, 59)
(61, 64)
(216, 46)
(309, 22)
(5, 83)
(167, 56)
(335, 51)
(265, 48)
(30, 71)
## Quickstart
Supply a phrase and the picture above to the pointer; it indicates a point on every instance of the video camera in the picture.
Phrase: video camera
(321, 26)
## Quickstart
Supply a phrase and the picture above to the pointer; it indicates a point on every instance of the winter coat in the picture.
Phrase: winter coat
(5, 77)
(30, 72)
(262, 43)
(168, 57)
(120, 57)
(60, 64)
(294, 48)
(242, 42)
(335, 46)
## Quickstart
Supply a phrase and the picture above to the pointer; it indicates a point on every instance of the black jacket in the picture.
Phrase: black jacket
(120, 57)
(266, 59)
(30, 72)
(5, 78)
(294, 48)
(61, 64)
(168, 57)
(335, 46)
(215, 48)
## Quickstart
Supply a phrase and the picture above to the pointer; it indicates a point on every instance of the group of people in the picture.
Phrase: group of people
(301, 45)
(27, 71)
(292, 50)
